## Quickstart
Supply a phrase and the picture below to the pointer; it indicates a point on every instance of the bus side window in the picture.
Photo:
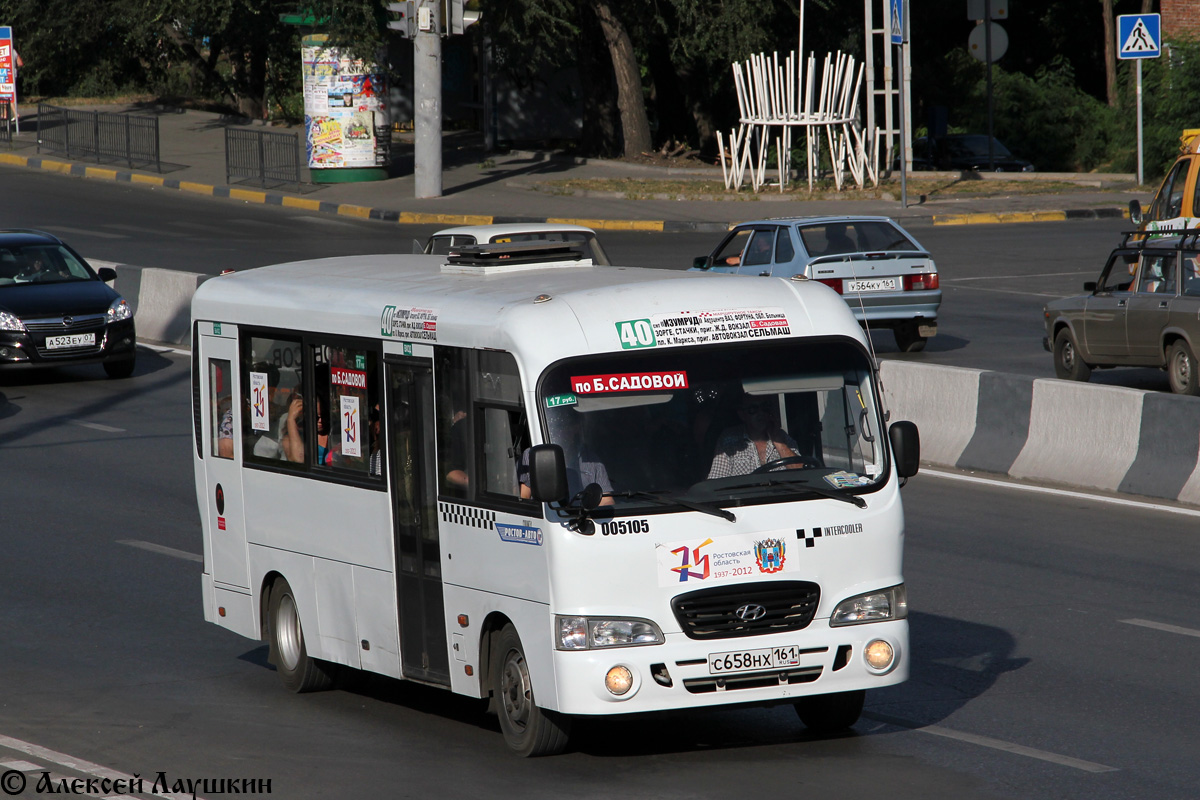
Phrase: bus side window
(272, 396)
(346, 391)
(220, 401)
(455, 453)
(505, 438)
(505, 430)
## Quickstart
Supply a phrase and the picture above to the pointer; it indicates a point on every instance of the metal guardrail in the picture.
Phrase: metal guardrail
(6, 122)
(100, 135)
(261, 156)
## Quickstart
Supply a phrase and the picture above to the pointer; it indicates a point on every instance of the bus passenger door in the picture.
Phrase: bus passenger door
(223, 455)
(411, 463)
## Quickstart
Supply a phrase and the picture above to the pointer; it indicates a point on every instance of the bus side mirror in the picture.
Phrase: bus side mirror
(1135, 212)
(700, 262)
(547, 473)
(906, 448)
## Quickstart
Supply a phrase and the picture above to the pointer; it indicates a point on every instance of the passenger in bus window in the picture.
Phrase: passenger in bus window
(757, 440)
(324, 451)
(225, 427)
(376, 460)
(583, 467)
(458, 463)
(293, 427)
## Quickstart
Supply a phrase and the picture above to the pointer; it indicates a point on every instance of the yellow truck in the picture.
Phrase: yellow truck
(1177, 203)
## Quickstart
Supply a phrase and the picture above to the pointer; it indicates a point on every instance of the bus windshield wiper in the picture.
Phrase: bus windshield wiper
(815, 488)
(666, 499)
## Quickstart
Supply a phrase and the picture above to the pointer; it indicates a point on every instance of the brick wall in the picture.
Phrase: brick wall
(1180, 19)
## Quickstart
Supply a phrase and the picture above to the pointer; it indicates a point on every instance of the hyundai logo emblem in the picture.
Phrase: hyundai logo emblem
(750, 612)
(68, 320)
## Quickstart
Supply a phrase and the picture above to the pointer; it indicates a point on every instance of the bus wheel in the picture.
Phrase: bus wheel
(299, 672)
(528, 730)
(826, 714)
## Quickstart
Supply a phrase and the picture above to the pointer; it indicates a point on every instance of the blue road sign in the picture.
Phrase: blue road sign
(1139, 36)
(896, 20)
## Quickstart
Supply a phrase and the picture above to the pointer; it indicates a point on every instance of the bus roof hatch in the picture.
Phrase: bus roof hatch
(489, 259)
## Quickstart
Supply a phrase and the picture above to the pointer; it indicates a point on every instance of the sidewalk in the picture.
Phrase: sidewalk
(517, 186)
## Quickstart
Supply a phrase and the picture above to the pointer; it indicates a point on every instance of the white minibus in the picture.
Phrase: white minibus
(572, 490)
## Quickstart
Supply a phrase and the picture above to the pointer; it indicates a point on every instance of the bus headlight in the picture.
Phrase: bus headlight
(879, 655)
(618, 680)
(586, 633)
(885, 604)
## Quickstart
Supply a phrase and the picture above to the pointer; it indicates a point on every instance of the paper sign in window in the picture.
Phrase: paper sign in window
(351, 427)
(260, 419)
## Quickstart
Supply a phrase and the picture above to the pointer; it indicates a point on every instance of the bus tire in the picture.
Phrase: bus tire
(827, 714)
(299, 672)
(528, 730)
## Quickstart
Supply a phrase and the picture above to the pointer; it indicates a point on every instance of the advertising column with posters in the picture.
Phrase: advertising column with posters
(8, 74)
(347, 131)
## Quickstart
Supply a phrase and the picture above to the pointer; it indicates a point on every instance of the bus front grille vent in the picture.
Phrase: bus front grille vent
(752, 609)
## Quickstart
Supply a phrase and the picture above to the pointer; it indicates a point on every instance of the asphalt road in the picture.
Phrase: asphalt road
(1053, 634)
(995, 278)
(1053, 639)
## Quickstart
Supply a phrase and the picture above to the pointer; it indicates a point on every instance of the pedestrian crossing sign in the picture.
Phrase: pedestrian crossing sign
(896, 21)
(1139, 36)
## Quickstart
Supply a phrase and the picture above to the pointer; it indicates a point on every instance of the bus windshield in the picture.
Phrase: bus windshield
(723, 425)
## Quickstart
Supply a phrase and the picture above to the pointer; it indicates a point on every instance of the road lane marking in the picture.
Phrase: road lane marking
(163, 550)
(88, 232)
(1014, 277)
(1099, 498)
(20, 766)
(994, 744)
(1008, 291)
(1162, 626)
(96, 426)
(79, 765)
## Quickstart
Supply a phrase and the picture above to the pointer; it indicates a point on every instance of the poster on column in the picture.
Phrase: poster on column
(8, 68)
(345, 110)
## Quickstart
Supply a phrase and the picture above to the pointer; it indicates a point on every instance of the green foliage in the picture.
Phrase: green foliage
(1170, 103)
(532, 37)
(1044, 117)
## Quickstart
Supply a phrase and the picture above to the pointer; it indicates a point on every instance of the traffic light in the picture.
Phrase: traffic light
(405, 22)
(459, 15)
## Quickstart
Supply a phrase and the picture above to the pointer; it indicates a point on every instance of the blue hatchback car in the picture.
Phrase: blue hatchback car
(888, 279)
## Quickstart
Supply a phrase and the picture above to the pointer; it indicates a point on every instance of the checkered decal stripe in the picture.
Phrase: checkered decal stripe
(810, 540)
(466, 515)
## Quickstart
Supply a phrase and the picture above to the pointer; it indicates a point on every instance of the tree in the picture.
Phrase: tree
(631, 103)
(1110, 53)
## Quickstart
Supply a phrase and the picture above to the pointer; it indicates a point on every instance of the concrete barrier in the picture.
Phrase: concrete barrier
(1074, 434)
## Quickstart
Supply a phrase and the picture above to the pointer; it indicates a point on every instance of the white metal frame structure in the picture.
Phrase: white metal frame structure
(775, 99)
